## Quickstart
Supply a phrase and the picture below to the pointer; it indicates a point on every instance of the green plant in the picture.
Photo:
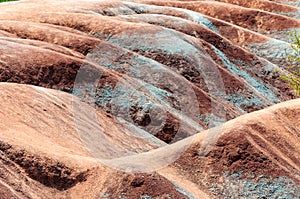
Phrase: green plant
(293, 78)
(6, 0)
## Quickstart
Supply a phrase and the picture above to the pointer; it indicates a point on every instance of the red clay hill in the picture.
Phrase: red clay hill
(147, 99)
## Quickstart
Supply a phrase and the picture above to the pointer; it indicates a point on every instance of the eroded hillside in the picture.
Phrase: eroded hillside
(129, 86)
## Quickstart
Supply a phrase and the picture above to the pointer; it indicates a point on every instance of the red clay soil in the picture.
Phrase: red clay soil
(263, 143)
(252, 19)
(48, 162)
(170, 68)
(269, 6)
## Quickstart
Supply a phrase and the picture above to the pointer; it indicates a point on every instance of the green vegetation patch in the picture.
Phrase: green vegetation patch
(6, 0)
(293, 78)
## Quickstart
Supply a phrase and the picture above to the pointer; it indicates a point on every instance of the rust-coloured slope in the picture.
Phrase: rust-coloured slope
(261, 148)
(152, 73)
(50, 155)
(43, 153)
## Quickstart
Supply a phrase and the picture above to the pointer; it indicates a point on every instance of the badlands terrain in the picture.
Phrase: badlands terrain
(148, 99)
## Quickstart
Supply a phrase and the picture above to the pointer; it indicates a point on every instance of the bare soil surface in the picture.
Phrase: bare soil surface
(152, 77)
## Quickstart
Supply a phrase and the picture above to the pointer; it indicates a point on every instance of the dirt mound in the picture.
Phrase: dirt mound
(48, 158)
(258, 149)
(255, 149)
